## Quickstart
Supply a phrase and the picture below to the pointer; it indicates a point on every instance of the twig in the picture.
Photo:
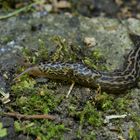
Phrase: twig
(108, 118)
(70, 89)
(21, 116)
(17, 11)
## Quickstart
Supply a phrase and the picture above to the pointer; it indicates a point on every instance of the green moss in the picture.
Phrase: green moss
(89, 62)
(26, 85)
(97, 54)
(64, 50)
(44, 130)
(133, 134)
(91, 115)
(104, 101)
(121, 104)
(96, 60)
(6, 39)
(33, 99)
(39, 98)
(3, 131)
(134, 131)
(35, 56)
(90, 136)
(135, 118)
(42, 53)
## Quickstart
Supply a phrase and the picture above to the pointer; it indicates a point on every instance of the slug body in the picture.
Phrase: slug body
(113, 82)
(124, 79)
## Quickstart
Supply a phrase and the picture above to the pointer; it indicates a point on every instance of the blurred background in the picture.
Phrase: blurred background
(106, 8)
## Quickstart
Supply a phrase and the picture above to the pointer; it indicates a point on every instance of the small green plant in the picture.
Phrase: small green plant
(133, 134)
(91, 115)
(44, 130)
(26, 85)
(95, 60)
(3, 131)
(104, 101)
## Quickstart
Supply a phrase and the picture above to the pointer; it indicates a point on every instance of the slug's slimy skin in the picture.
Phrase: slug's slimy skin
(114, 82)
(109, 81)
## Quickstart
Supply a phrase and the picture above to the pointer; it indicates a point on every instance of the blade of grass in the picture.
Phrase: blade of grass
(26, 8)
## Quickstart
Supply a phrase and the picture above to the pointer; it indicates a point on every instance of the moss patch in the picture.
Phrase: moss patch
(3, 131)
